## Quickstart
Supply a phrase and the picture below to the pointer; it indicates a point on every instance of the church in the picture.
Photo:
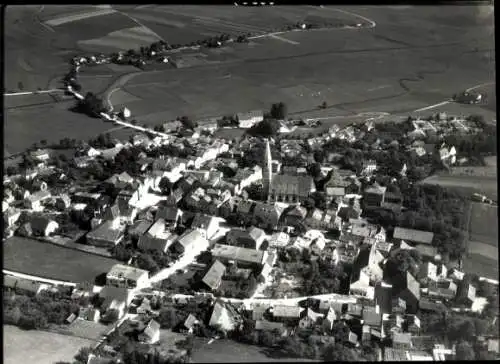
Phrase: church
(282, 187)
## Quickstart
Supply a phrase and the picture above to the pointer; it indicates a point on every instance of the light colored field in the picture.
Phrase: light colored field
(484, 223)
(487, 186)
(486, 250)
(130, 38)
(481, 265)
(84, 329)
(41, 347)
(76, 17)
(226, 351)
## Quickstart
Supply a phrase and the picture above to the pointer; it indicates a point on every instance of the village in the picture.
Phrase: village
(321, 247)
(261, 239)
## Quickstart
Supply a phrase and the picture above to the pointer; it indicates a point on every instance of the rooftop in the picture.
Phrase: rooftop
(412, 235)
(238, 253)
(126, 272)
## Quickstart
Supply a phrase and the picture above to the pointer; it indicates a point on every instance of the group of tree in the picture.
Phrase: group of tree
(90, 105)
(279, 111)
(267, 128)
(36, 312)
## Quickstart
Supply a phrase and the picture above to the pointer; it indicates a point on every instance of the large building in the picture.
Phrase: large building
(292, 189)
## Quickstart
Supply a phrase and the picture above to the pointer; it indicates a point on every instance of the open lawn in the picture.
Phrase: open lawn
(471, 184)
(46, 260)
(83, 329)
(226, 351)
(481, 265)
(484, 223)
(41, 347)
(395, 67)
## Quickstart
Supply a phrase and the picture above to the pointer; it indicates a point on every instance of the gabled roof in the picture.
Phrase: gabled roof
(168, 213)
(190, 321)
(256, 233)
(412, 285)
(151, 329)
(292, 185)
(202, 221)
(265, 325)
(412, 235)
(214, 275)
(298, 211)
(287, 311)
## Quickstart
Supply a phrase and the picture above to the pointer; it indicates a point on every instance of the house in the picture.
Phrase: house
(279, 240)
(330, 318)
(148, 242)
(105, 235)
(244, 257)
(428, 305)
(224, 317)
(252, 238)
(190, 241)
(269, 326)
(466, 293)
(40, 155)
(248, 119)
(310, 319)
(287, 314)
(392, 324)
(291, 189)
(398, 306)
(383, 297)
(295, 215)
(372, 316)
(151, 334)
(205, 224)
(413, 236)
(410, 292)
(190, 323)
(393, 200)
(116, 298)
(11, 216)
(213, 277)
(170, 213)
(34, 201)
(63, 202)
(428, 271)
(401, 341)
(374, 196)
(125, 276)
(139, 228)
(393, 355)
(412, 324)
(444, 289)
(267, 215)
(43, 226)
(427, 251)
(369, 166)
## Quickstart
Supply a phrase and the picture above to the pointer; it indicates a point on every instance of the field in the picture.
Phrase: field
(395, 67)
(479, 184)
(225, 351)
(50, 261)
(83, 329)
(18, 346)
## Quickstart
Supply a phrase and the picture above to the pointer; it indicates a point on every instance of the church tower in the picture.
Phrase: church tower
(267, 170)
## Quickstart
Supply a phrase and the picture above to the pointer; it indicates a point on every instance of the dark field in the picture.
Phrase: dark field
(481, 265)
(414, 57)
(50, 261)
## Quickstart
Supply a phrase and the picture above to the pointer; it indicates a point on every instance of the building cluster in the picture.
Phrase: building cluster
(186, 206)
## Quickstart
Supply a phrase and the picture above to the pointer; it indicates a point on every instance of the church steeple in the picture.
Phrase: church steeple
(267, 171)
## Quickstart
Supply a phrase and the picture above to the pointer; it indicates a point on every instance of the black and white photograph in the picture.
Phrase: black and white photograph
(254, 182)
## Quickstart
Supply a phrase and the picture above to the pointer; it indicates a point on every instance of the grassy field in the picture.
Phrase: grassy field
(83, 329)
(395, 67)
(41, 347)
(470, 184)
(225, 351)
(483, 224)
(481, 265)
(50, 261)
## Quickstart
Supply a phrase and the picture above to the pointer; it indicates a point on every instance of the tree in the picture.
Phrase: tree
(168, 318)
(188, 123)
(278, 111)
(464, 351)
(338, 352)
(110, 316)
(83, 354)
(20, 86)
